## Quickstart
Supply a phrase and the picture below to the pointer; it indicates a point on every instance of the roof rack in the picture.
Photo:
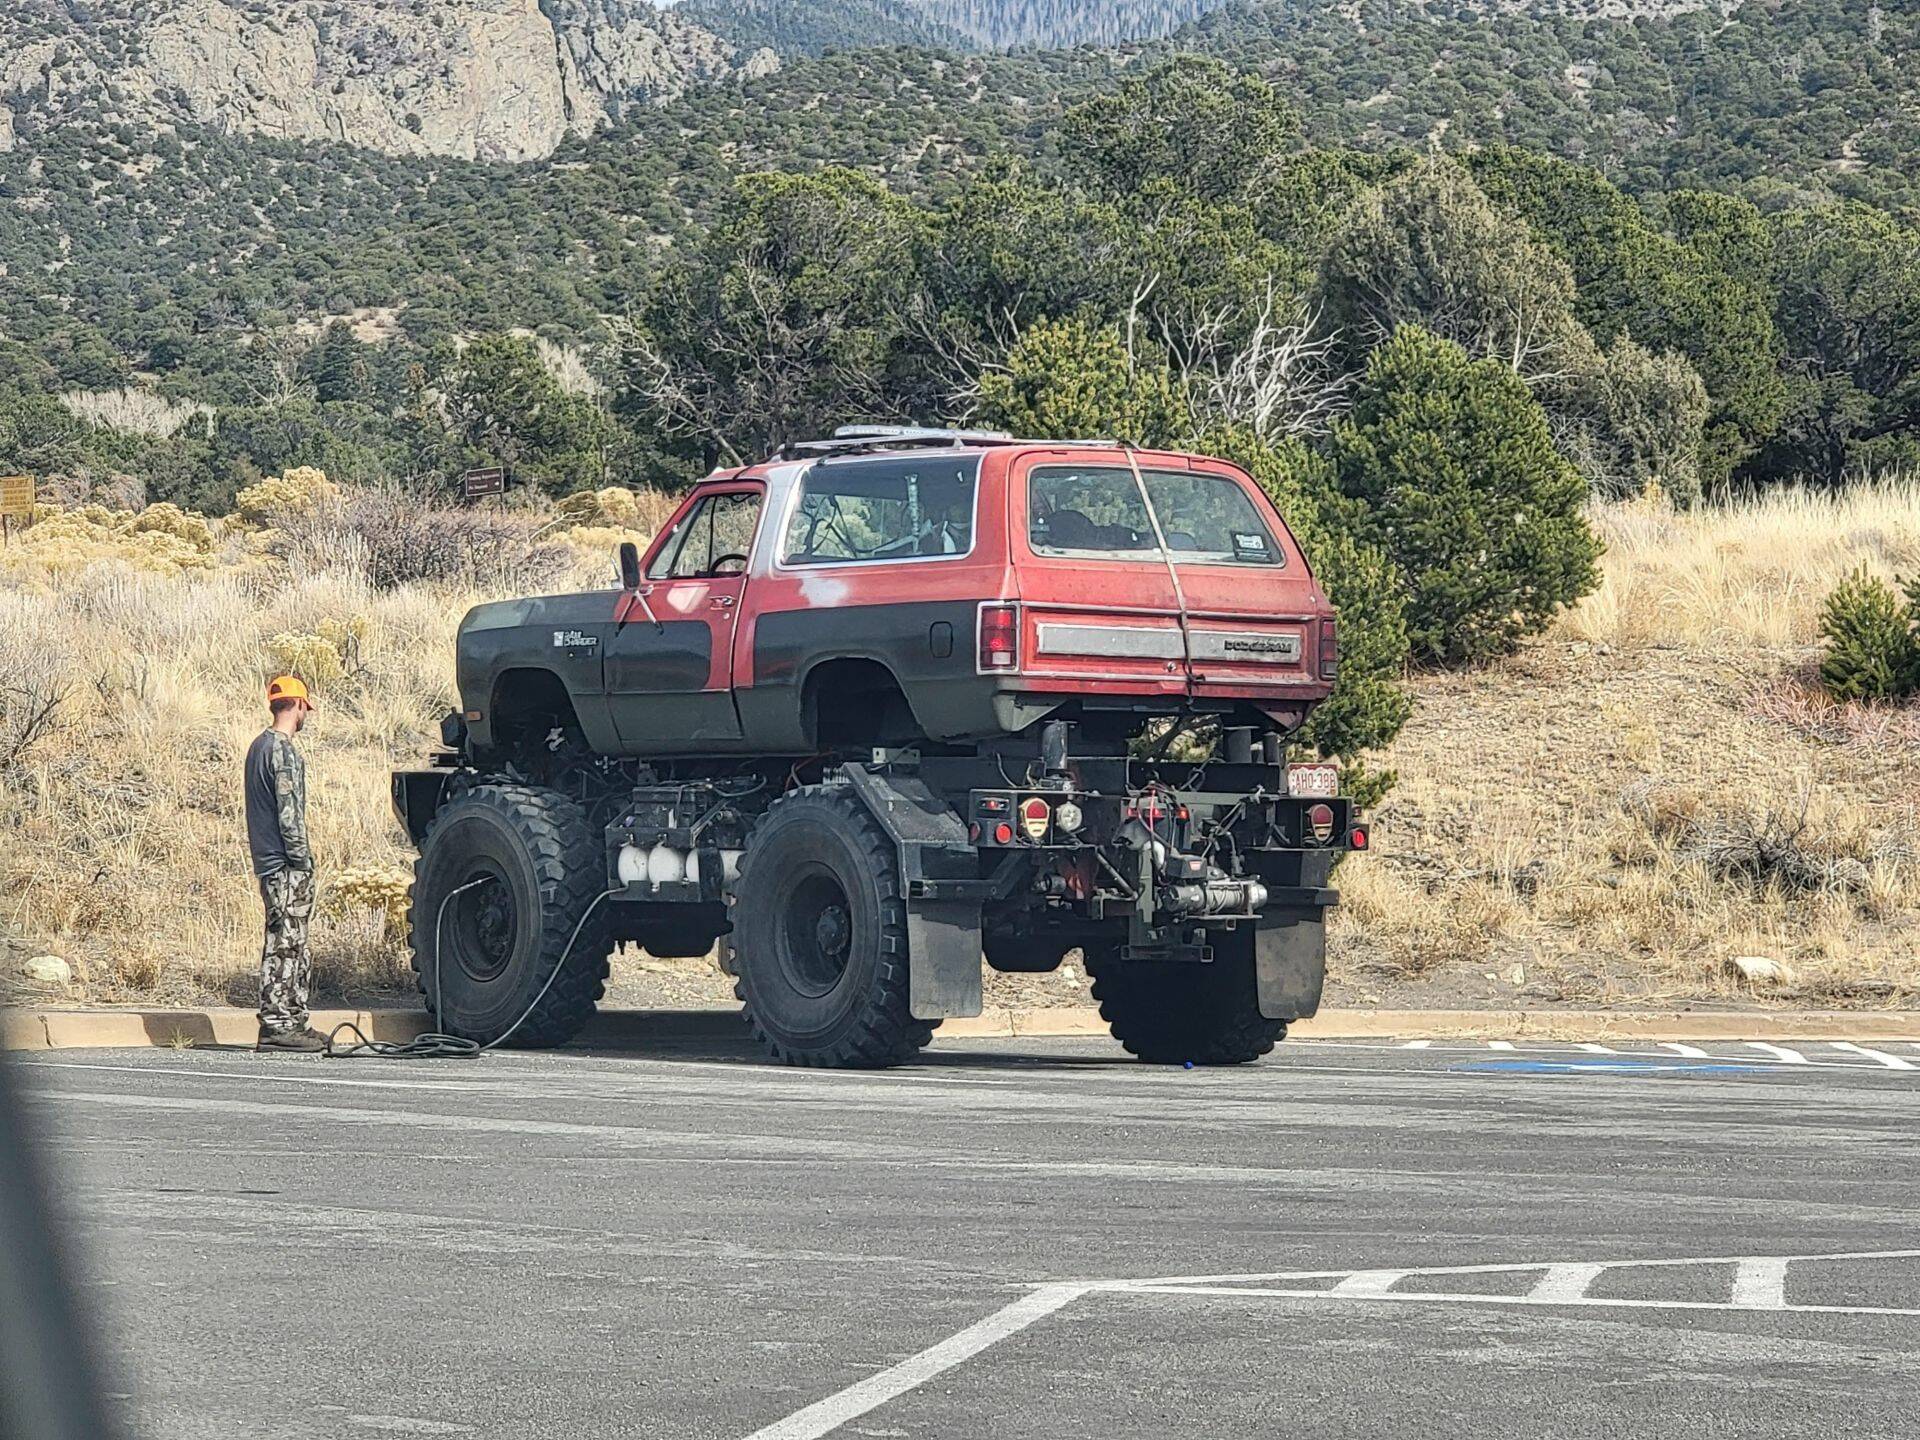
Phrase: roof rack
(852, 439)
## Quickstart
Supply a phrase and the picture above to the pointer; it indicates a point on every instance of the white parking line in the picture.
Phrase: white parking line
(825, 1416)
(1892, 1062)
(1564, 1283)
(1591, 1048)
(1760, 1284)
(1369, 1282)
(1509, 1267)
(1779, 1057)
(1424, 1296)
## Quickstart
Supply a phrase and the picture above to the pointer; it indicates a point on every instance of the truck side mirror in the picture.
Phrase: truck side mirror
(629, 565)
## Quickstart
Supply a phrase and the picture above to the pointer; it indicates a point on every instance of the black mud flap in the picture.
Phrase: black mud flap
(417, 797)
(1290, 963)
(937, 865)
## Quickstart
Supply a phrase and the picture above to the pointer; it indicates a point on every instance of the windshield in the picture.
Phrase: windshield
(900, 509)
(1096, 509)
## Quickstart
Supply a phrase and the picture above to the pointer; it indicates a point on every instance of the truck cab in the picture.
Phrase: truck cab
(868, 590)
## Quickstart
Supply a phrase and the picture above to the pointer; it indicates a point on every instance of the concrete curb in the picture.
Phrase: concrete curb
(52, 1029)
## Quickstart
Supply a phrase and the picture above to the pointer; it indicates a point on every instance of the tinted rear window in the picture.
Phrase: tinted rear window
(855, 510)
(1096, 509)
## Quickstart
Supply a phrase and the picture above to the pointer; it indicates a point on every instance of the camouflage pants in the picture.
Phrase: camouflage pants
(284, 962)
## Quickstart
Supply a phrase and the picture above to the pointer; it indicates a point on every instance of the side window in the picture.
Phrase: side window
(714, 538)
(854, 510)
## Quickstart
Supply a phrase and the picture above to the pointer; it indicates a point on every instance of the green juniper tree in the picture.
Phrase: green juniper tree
(1453, 473)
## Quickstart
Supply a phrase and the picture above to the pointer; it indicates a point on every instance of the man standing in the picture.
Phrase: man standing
(283, 861)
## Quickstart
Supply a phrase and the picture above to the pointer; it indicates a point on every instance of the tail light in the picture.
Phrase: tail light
(1320, 821)
(1035, 816)
(999, 638)
(1358, 839)
(1329, 648)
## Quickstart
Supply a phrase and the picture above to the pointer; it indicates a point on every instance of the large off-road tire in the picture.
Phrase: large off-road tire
(1170, 1012)
(820, 936)
(507, 875)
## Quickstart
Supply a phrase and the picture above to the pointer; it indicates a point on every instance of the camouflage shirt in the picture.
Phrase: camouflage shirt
(277, 805)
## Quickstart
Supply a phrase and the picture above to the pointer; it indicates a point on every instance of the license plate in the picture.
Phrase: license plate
(1313, 782)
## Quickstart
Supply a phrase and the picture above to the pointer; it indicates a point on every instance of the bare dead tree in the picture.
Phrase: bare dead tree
(679, 398)
(1141, 291)
(283, 350)
(1274, 372)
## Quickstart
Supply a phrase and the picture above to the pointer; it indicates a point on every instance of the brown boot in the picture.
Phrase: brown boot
(305, 1041)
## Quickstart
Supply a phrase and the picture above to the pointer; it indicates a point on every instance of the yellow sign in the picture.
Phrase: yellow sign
(16, 496)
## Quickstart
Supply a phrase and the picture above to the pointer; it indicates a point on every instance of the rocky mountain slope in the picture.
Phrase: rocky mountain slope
(509, 80)
(811, 26)
(476, 79)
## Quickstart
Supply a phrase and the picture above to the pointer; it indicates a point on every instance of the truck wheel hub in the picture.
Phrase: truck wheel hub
(818, 934)
(485, 932)
(832, 931)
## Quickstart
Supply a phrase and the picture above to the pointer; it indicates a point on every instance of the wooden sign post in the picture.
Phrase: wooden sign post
(478, 483)
(16, 502)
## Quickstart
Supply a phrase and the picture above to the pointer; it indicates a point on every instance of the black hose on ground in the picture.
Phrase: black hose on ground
(432, 1045)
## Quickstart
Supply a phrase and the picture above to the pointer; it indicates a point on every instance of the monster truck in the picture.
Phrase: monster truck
(882, 706)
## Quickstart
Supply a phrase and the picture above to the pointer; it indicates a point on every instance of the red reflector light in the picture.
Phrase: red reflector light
(1357, 838)
(1329, 648)
(999, 637)
(1320, 819)
(1003, 834)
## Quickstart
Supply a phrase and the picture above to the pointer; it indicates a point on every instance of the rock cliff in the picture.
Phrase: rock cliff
(479, 79)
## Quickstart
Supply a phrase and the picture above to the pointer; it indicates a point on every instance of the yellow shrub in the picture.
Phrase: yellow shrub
(385, 891)
(162, 538)
(615, 508)
(167, 518)
(322, 658)
(301, 488)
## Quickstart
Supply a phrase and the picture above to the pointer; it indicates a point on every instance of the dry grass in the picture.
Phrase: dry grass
(1657, 787)
(1649, 791)
(1751, 574)
(125, 845)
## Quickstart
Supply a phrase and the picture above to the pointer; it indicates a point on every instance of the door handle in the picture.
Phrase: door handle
(721, 602)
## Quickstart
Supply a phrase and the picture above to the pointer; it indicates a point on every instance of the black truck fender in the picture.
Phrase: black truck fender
(939, 869)
(417, 798)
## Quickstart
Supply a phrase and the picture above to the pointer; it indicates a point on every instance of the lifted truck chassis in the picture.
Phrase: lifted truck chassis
(1152, 868)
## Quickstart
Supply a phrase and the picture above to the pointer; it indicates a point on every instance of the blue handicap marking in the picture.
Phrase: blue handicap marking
(1621, 1063)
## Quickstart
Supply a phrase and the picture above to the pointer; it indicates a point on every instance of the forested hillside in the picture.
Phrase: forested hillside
(1686, 172)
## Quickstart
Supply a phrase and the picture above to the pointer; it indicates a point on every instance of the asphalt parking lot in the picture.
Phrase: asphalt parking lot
(1015, 1238)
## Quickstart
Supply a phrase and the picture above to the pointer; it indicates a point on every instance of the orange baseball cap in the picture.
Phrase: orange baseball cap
(288, 687)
